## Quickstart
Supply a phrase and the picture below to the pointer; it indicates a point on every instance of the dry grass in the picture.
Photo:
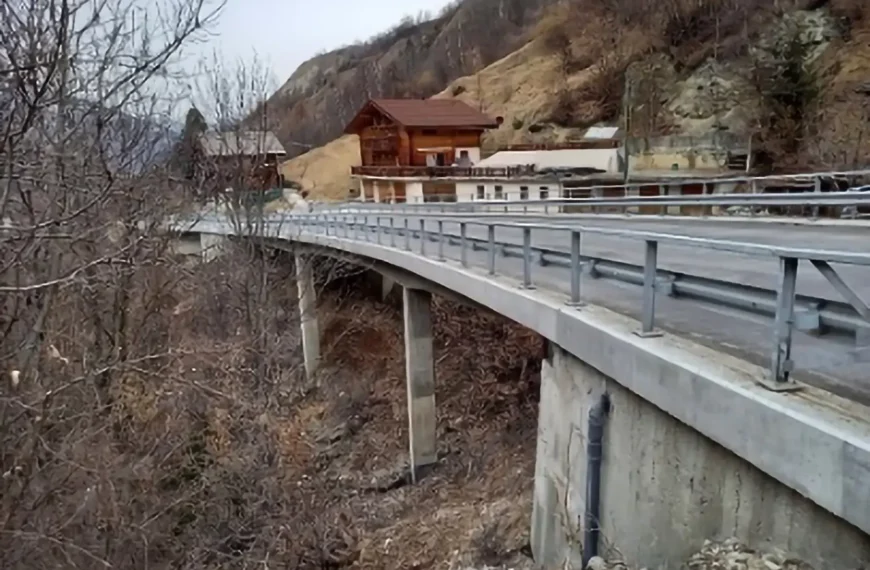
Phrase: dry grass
(325, 171)
(226, 456)
(475, 505)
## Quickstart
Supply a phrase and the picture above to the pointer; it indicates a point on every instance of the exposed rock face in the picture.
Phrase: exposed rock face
(412, 60)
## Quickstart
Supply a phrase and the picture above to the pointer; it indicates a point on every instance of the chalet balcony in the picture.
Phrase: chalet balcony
(443, 171)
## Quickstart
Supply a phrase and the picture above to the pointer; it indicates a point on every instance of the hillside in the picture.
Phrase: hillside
(416, 58)
(794, 78)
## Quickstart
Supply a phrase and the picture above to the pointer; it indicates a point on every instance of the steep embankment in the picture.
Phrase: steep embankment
(518, 87)
(793, 77)
(414, 59)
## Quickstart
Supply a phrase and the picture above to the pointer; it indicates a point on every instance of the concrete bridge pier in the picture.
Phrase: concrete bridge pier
(308, 314)
(420, 375)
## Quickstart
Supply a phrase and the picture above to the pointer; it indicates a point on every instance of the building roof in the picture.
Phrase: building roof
(601, 133)
(424, 113)
(601, 159)
(246, 143)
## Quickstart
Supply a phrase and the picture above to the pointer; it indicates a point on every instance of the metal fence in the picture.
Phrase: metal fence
(790, 311)
(709, 200)
(669, 187)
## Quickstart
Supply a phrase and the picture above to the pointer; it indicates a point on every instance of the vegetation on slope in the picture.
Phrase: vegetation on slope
(790, 76)
(416, 58)
(216, 452)
(154, 411)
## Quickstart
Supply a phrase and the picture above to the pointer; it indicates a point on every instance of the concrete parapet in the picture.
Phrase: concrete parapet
(420, 374)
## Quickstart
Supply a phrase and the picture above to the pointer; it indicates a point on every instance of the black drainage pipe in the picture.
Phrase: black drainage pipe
(594, 452)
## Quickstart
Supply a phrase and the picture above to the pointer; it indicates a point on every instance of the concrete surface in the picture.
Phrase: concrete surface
(420, 376)
(310, 328)
(809, 441)
(665, 487)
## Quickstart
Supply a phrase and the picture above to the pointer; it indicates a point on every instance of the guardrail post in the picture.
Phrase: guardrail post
(440, 240)
(463, 244)
(490, 230)
(378, 229)
(576, 270)
(407, 236)
(817, 187)
(649, 291)
(392, 231)
(527, 258)
(781, 363)
(423, 237)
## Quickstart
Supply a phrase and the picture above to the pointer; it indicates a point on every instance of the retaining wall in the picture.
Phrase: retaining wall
(665, 487)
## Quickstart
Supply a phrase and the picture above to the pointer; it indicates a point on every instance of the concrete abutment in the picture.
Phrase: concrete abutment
(212, 246)
(665, 488)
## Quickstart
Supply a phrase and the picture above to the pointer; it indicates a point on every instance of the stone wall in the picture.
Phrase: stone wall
(665, 487)
(707, 152)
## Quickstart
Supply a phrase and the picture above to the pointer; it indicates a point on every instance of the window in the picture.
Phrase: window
(430, 132)
(481, 192)
(463, 154)
(499, 193)
(524, 192)
(545, 193)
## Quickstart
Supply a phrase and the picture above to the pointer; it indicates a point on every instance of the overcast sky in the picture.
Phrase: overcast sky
(284, 33)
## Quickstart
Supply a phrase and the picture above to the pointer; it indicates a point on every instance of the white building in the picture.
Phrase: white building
(544, 173)
(519, 175)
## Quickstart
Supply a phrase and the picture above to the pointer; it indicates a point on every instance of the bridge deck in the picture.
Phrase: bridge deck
(829, 362)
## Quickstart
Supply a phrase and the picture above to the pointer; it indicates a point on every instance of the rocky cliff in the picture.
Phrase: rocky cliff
(792, 76)
(414, 59)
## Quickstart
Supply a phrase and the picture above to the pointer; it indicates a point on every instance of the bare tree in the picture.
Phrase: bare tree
(83, 274)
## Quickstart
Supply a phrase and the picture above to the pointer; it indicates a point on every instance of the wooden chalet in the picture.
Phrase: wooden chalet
(409, 134)
(246, 161)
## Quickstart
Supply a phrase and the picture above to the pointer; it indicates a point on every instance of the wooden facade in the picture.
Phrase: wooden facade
(417, 133)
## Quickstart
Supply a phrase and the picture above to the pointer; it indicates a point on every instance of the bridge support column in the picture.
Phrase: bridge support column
(420, 375)
(308, 314)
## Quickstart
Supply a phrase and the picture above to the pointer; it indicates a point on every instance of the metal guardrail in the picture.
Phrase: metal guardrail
(807, 199)
(848, 201)
(790, 311)
(570, 184)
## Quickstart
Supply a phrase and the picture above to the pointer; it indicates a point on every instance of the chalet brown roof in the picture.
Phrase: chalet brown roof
(427, 113)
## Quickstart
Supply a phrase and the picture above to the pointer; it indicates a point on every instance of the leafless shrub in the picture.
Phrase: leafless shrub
(138, 393)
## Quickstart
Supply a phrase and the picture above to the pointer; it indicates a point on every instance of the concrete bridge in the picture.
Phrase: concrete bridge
(648, 439)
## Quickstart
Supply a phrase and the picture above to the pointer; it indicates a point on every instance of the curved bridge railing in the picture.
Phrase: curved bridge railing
(425, 235)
